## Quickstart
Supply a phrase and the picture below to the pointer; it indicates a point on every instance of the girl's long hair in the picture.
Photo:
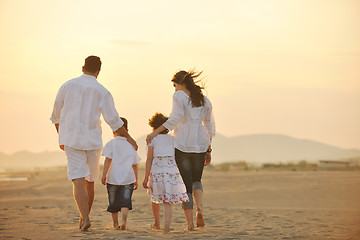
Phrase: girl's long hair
(196, 96)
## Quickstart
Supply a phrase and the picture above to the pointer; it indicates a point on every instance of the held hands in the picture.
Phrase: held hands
(145, 182)
(103, 179)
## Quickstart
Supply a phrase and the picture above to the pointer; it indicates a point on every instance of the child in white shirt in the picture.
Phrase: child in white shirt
(120, 176)
(165, 182)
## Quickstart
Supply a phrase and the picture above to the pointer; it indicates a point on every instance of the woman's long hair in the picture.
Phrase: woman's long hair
(196, 96)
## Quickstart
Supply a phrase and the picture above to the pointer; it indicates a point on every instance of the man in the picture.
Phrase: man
(76, 115)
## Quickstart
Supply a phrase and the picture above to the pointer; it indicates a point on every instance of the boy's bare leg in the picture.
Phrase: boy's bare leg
(167, 217)
(81, 199)
(189, 219)
(156, 212)
(90, 189)
(124, 214)
(115, 220)
(198, 196)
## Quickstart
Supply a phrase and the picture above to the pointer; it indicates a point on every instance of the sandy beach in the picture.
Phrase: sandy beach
(238, 205)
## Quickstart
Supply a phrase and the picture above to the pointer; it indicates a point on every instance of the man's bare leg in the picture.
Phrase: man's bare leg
(198, 196)
(91, 195)
(81, 199)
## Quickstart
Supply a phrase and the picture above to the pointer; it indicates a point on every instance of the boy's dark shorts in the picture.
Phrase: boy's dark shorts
(119, 197)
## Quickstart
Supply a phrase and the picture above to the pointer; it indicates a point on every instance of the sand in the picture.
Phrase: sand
(237, 205)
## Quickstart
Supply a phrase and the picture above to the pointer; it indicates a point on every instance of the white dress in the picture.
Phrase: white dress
(166, 181)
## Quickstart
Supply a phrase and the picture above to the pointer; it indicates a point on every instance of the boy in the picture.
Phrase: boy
(120, 175)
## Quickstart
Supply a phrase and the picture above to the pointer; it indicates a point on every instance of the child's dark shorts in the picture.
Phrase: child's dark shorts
(119, 197)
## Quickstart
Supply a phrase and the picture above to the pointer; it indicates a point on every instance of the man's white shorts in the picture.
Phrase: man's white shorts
(83, 163)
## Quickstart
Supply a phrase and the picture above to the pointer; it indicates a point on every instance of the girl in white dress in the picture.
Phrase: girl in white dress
(162, 176)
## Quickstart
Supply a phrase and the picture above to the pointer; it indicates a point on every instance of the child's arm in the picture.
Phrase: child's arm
(149, 159)
(135, 168)
(107, 164)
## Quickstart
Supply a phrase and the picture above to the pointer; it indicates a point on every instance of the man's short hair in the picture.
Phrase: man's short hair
(92, 64)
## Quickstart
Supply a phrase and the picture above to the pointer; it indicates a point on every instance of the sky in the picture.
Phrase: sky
(270, 66)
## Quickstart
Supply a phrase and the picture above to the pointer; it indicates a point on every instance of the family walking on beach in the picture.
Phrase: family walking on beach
(174, 165)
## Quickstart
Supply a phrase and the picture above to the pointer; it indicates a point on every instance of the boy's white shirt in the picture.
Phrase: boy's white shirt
(123, 156)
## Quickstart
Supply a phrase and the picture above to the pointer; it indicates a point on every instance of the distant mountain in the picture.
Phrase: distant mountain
(255, 149)
(29, 160)
(268, 148)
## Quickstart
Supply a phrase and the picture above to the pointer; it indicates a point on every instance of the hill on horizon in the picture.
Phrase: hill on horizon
(268, 148)
(273, 148)
(254, 149)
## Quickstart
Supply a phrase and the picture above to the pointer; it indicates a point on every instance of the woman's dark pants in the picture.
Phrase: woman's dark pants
(191, 167)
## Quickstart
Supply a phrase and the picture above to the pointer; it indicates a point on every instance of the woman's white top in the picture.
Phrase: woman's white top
(193, 126)
(123, 156)
(163, 145)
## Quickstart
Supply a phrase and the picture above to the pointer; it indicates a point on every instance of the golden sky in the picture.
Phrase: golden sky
(271, 66)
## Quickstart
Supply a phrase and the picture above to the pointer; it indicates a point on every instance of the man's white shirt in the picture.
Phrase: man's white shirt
(77, 109)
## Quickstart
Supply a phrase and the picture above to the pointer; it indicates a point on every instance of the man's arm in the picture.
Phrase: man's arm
(123, 132)
(58, 104)
(57, 129)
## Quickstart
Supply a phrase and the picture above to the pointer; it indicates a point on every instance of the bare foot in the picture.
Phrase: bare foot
(123, 227)
(116, 225)
(85, 225)
(80, 222)
(200, 219)
(155, 226)
(189, 229)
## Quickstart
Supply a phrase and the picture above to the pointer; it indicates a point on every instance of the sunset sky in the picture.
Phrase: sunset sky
(287, 67)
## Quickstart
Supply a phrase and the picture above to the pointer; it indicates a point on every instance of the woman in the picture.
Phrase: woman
(194, 127)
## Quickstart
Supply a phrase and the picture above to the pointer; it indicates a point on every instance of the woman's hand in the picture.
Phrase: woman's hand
(150, 137)
(207, 158)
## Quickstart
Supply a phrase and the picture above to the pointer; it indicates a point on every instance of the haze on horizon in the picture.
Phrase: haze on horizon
(271, 66)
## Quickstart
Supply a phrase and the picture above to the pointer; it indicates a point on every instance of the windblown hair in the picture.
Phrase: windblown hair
(92, 64)
(196, 96)
(157, 120)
